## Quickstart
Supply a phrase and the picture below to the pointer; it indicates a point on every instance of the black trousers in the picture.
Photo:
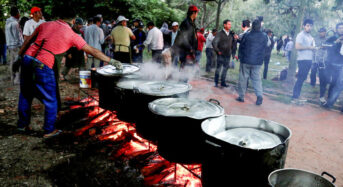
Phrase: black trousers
(123, 57)
(266, 64)
(156, 56)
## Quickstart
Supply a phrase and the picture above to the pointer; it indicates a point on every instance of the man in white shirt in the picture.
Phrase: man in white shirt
(155, 41)
(94, 37)
(33, 23)
(209, 50)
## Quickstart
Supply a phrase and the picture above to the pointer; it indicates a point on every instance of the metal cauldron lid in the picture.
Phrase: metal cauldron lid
(184, 107)
(246, 132)
(111, 71)
(297, 177)
(130, 84)
(164, 88)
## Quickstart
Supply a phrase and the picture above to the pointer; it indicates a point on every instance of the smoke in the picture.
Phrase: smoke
(160, 72)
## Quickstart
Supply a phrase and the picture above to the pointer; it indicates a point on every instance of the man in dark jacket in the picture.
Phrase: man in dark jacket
(137, 47)
(224, 44)
(252, 53)
(335, 66)
(186, 42)
(268, 53)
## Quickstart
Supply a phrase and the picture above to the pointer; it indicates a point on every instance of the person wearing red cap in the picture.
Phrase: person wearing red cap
(32, 24)
(186, 42)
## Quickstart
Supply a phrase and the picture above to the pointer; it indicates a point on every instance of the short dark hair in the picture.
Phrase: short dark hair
(256, 25)
(59, 9)
(214, 30)
(339, 24)
(96, 19)
(246, 23)
(150, 23)
(225, 21)
(14, 11)
(90, 20)
(308, 21)
(260, 18)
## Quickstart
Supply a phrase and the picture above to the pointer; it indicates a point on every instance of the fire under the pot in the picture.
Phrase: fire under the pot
(157, 171)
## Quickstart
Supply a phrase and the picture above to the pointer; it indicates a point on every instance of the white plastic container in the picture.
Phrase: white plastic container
(85, 79)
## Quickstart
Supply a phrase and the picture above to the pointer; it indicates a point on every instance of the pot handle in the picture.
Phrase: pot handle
(214, 144)
(215, 101)
(136, 90)
(328, 174)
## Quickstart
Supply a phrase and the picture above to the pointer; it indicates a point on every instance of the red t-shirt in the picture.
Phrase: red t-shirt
(201, 41)
(58, 38)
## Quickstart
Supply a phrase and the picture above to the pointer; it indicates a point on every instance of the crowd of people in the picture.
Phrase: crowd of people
(38, 51)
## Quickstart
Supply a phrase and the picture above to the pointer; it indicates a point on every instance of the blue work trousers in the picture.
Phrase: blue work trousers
(37, 81)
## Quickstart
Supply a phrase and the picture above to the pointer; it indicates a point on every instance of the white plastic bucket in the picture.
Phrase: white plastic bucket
(85, 79)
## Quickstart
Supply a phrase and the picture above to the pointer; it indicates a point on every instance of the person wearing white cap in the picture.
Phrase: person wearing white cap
(175, 30)
(121, 36)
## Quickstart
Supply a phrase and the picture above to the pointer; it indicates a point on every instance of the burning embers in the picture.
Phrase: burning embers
(105, 126)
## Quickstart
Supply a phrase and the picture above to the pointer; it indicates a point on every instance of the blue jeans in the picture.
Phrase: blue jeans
(266, 60)
(198, 55)
(137, 57)
(247, 71)
(304, 67)
(222, 65)
(37, 81)
(336, 85)
(3, 54)
(209, 57)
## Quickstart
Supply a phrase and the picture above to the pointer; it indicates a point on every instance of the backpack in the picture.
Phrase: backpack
(283, 74)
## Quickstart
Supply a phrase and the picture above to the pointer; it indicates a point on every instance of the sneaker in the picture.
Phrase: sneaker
(259, 100)
(240, 99)
(52, 134)
(224, 85)
(322, 101)
(216, 85)
(24, 129)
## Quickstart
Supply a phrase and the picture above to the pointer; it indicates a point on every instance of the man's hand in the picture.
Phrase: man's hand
(220, 53)
(236, 37)
(16, 65)
(116, 64)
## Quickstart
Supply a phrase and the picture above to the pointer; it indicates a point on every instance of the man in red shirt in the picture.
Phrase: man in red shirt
(201, 41)
(37, 78)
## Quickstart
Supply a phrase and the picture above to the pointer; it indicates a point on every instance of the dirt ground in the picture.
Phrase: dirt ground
(29, 160)
(316, 144)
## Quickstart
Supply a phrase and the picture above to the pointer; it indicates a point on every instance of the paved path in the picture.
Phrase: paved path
(317, 141)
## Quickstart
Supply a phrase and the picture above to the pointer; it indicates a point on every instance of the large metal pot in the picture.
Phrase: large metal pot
(107, 77)
(175, 124)
(299, 178)
(242, 150)
(126, 90)
(135, 97)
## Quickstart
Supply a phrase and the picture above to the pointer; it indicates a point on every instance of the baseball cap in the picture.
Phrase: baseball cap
(193, 8)
(202, 30)
(322, 29)
(35, 9)
(175, 24)
(121, 18)
(79, 21)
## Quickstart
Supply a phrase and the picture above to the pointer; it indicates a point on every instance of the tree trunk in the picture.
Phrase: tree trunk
(293, 64)
(218, 13)
(202, 22)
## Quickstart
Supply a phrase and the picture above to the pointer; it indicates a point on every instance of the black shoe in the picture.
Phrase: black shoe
(239, 99)
(216, 85)
(224, 85)
(259, 100)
